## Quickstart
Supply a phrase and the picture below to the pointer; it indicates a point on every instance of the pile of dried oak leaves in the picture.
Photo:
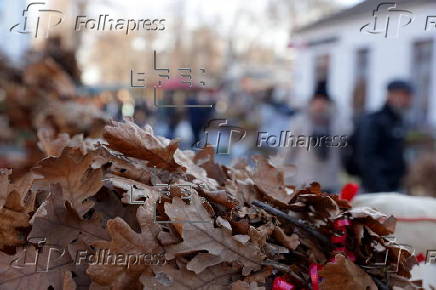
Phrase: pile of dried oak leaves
(42, 95)
(107, 194)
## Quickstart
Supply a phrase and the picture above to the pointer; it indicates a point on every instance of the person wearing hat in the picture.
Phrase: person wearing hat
(381, 141)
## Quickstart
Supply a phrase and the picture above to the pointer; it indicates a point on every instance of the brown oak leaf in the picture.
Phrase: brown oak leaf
(200, 234)
(4, 185)
(184, 159)
(169, 277)
(344, 274)
(126, 137)
(109, 205)
(375, 220)
(10, 223)
(21, 198)
(129, 139)
(69, 283)
(48, 74)
(401, 283)
(14, 214)
(205, 158)
(30, 269)
(291, 242)
(51, 145)
(77, 250)
(134, 191)
(72, 170)
(16, 192)
(126, 241)
(59, 225)
(271, 181)
(123, 166)
(243, 285)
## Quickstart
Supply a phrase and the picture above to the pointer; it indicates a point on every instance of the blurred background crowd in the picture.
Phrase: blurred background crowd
(222, 72)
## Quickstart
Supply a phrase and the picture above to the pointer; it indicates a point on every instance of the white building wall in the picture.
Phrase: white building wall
(389, 58)
(303, 75)
(342, 69)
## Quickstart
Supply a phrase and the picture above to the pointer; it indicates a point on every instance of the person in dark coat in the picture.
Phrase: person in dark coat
(199, 116)
(381, 141)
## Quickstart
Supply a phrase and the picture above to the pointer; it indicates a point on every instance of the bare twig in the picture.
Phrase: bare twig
(296, 222)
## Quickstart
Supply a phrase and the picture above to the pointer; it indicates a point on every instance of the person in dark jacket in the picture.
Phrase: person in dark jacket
(381, 141)
(199, 116)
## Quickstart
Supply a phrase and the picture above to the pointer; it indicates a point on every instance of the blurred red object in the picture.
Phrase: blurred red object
(178, 84)
(349, 191)
(281, 284)
(420, 258)
(314, 275)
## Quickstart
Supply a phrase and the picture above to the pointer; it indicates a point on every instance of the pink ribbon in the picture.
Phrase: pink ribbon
(281, 284)
(341, 225)
(314, 276)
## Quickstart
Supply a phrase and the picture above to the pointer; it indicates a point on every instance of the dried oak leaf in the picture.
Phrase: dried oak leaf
(401, 258)
(14, 214)
(51, 145)
(200, 234)
(16, 192)
(260, 276)
(401, 283)
(123, 166)
(221, 197)
(18, 271)
(291, 242)
(378, 222)
(205, 158)
(60, 225)
(202, 261)
(127, 138)
(344, 274)
(10, 223)
(244, 191)
(317, 206)
(109, 205)
(95, 286)
(131, 140)
(363, 212)
(134, 191)
(126, 241)
(21, 198)
(169, 277)
(271, 181)
(243, 285)
(47, 74)
(260, 234)
(69, 283)
(72, 170)
(72, 118)
(76, 250)
(4, 185)
(184, 159)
